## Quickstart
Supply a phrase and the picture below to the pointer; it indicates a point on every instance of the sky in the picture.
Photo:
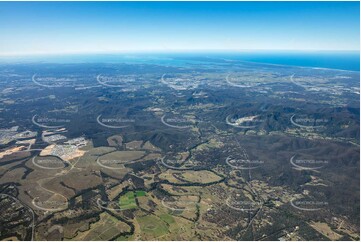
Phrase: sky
(107, 27)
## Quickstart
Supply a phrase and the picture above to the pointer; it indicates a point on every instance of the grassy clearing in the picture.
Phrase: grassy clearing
(127, 201)
(140, 193)
(104, 229)
(123, 156)
(200, 176)
(180, 177)
(152, 227)
(167, 218)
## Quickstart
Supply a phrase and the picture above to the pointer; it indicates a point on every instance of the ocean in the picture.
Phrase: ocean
(347, 60)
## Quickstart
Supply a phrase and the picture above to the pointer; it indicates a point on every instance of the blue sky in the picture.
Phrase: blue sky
(91, 27)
